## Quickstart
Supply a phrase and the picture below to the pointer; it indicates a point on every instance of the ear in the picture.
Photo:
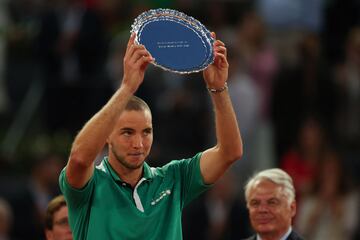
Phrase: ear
(49, 235)
(108, 139)
(293, 208)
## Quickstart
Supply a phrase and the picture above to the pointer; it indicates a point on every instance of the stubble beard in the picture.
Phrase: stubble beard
(123, 162)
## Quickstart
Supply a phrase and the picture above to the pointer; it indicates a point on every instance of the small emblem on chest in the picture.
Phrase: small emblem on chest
(161, 196)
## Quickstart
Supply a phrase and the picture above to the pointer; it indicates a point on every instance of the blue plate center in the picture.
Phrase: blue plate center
(174, 45)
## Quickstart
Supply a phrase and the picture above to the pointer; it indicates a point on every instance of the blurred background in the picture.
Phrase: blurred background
(294, 81)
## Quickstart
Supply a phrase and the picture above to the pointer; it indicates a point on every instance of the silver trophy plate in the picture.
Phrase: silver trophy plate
(179, 43)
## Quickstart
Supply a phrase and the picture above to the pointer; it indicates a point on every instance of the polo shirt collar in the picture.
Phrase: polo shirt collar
(147, 173)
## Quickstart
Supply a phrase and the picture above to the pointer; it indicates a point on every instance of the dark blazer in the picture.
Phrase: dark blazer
(293, 236)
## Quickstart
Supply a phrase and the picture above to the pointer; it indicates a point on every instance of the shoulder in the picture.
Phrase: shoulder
(295, 236)
(181, 163)
(253, 237)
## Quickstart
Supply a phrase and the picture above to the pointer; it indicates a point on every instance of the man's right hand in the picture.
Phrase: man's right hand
(136, 60)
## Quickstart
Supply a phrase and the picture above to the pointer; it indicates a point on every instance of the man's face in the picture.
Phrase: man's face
(131, 140)
(269, 210)
(61, 229)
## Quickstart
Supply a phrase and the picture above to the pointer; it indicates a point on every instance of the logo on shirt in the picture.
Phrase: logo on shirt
(162, 195)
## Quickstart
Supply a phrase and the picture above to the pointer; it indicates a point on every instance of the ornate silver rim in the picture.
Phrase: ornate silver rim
(183, 19)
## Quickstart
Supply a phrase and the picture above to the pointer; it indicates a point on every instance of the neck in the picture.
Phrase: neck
(128, 175)
(131, 177)
(269, 237)
(274, 235)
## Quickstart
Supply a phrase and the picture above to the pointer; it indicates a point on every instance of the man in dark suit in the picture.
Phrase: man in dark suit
(270, 199)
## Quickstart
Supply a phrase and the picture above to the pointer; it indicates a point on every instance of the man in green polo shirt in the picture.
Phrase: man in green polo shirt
(125, 198)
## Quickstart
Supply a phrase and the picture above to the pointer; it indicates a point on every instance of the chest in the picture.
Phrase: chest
(115, 207)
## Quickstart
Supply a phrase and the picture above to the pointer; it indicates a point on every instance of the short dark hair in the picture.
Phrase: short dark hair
(54, 205)
(136, 104)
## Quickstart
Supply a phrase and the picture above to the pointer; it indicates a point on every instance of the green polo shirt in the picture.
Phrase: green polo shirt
(108, 208)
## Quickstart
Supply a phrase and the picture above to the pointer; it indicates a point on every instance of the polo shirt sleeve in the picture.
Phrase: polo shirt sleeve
(76, 198)
(192, 181)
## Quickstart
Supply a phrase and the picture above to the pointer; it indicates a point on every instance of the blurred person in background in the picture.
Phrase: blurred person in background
(247, 106)
(330, 211)
(225, 210)
(30, 202)
(218, 213)
(6, 219)
(258, 57)
(347, 79)
(21, 67)
(260, 62)
(72, 65)
(302, 160)
(123, 196)
(56, 220)
(270, 198)
(302, 89)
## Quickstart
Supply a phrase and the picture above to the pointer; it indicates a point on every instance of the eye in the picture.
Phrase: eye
(273, 202)
(254, 203)
(62, 222)
(126, 133)
(147, 132)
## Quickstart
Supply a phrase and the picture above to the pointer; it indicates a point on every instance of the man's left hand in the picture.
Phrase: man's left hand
(216, 74)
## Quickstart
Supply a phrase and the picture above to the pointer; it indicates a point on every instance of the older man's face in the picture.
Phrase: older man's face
(269, 209)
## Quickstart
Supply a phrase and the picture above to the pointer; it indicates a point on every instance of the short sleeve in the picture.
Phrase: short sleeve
(192, 181)
(76, 198)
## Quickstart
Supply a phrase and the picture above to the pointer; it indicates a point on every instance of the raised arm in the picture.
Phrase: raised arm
(216, 160)
(91, 139)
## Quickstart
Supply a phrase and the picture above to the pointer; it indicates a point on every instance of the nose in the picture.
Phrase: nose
(263, 207)
(137, 141)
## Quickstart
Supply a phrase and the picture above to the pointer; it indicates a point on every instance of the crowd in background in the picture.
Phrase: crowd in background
(294, 80)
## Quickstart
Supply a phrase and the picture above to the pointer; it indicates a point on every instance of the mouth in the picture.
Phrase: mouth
(263, 220)
(136, 154)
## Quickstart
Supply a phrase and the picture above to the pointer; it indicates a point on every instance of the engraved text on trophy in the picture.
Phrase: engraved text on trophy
(173, 44)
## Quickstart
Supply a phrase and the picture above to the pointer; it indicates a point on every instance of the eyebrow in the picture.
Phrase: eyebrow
(132, 129)
(274, 199)
(127, 129)
(269, 199)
